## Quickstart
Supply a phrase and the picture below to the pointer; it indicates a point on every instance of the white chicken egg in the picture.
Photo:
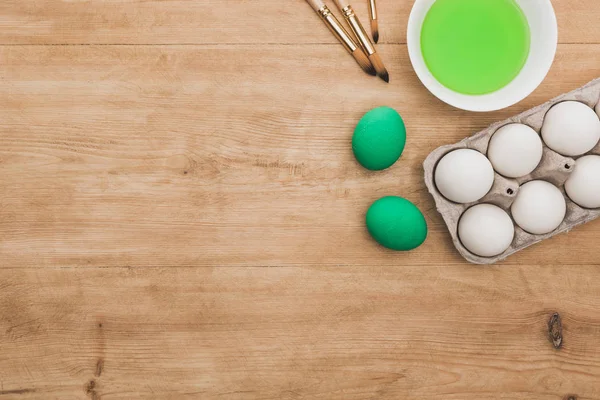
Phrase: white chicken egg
(464, 176)
(515, 150)
(539, 207)
(583, 186)
(571, 128)
(486, 230)
(598, 109)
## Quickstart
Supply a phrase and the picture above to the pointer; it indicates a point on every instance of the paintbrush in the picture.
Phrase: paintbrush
(342, 35)
(374, 24)
(363, 38)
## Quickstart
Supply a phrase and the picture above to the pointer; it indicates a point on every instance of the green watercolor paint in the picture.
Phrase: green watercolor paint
(475, 47)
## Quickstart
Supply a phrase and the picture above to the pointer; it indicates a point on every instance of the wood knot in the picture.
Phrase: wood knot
(571, 397)
(99, 367)
(90, 386)
(555, 333)
(90, 390)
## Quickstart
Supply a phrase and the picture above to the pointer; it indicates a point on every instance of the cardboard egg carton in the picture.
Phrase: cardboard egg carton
(553, 168)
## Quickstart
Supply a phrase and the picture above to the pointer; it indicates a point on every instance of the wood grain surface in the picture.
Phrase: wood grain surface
(181, 217)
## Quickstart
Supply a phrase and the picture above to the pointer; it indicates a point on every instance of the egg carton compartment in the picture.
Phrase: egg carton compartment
(554, 168)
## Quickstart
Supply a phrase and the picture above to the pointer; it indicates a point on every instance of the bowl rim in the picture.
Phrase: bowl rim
(517, 90)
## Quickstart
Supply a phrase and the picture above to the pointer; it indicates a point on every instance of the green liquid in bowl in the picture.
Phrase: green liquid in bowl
(475, 46)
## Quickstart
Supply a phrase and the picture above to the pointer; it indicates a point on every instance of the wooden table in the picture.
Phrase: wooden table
(181, 217)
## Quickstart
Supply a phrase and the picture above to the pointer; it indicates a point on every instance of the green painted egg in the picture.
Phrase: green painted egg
(396, 223)
(379, 138)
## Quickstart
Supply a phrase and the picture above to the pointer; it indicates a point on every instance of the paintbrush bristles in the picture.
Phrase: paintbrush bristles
(343, 36)
(379, 67)
(365, 41)
(373, 18)
(363, 53)
(375, 30)
(362, 60)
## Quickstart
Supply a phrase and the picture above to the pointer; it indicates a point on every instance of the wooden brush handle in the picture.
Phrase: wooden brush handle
(316, 4)
(341, 4)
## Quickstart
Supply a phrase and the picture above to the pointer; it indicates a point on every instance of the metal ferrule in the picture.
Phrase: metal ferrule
(337, 29)
(372, 10)
(359, 31)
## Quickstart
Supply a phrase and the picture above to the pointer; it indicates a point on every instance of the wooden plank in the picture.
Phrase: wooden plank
(145, 155)
(222, 21)
(410, 332)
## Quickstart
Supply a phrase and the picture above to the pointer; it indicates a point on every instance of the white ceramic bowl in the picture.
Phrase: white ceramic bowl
(544, 39)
